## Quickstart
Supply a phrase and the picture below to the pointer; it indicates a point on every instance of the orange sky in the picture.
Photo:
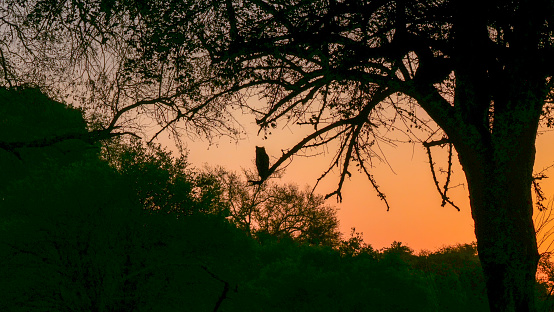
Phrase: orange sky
(415, 218)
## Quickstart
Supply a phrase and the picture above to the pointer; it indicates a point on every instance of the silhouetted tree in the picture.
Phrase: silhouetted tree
(349, 69)
(163, 183)
(33, 121)
(78, 52)
(279, 210)
(355, 245)
(455, 274)
(317, 278)
(35, 131)
(74, 234)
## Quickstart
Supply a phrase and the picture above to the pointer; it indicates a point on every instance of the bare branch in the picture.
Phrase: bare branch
(223, 295)
(89, 137)
(359, 120)
(444, 197)
(448, 172)
(353, 137)
(5, 68)
(380, 194)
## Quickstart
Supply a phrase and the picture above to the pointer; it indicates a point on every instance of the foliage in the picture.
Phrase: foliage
(29, 117)
(80, 240)
(28, 114)
(163, 183)
(275, 211)
(545, 278)
(354, 245)
(316, 278)
(74, 235)
(455, 271)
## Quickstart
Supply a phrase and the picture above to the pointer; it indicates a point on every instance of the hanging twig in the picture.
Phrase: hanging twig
(448, 172)
(427, 146)
(380, 194)
(539, 193)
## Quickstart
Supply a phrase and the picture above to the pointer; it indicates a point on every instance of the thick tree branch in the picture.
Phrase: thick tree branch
(438, 108)
(88, 137)
(436, 143)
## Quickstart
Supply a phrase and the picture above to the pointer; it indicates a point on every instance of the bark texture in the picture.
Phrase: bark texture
(502, 208)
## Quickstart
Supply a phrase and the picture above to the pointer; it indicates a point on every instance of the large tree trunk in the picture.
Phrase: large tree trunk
(499, 175)
(499, 100)
(502, 209)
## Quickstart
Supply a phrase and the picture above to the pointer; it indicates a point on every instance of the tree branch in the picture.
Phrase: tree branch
(444, 197)
(438, 142)
(380, 194)
(438, 108)
(223, 295)
(360, 119)
(89, 137)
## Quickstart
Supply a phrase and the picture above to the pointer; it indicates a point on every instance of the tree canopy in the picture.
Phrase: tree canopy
(278, 211)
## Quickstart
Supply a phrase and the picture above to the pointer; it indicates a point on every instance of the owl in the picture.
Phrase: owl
(262, 163)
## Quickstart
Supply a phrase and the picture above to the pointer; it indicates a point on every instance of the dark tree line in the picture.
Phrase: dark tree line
(118, 225)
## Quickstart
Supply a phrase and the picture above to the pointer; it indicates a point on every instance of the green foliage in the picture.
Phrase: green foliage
(74, 235)
(545, 286)
(355, 246)
(139, 230)
(165, 184)
(27, 114)
(59, 234)
(315, 278)
(456, 275)
(28, 117)
(79, 239)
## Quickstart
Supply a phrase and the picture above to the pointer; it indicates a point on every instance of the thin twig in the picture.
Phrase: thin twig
(444, 197)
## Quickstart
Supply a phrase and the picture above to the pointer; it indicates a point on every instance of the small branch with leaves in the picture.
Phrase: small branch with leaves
(539, 193)
(444, 190)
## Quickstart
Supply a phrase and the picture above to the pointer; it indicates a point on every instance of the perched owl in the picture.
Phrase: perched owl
(262, 163)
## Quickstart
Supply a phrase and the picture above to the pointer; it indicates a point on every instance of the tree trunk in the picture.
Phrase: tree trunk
(499, 104)
(499, 176)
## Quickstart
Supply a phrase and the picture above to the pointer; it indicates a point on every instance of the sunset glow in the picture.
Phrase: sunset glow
(416, 217)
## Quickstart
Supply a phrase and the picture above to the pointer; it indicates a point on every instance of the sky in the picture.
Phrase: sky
(415, 218)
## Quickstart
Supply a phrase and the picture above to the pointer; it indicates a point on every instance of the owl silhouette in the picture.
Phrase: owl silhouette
(262, 163)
